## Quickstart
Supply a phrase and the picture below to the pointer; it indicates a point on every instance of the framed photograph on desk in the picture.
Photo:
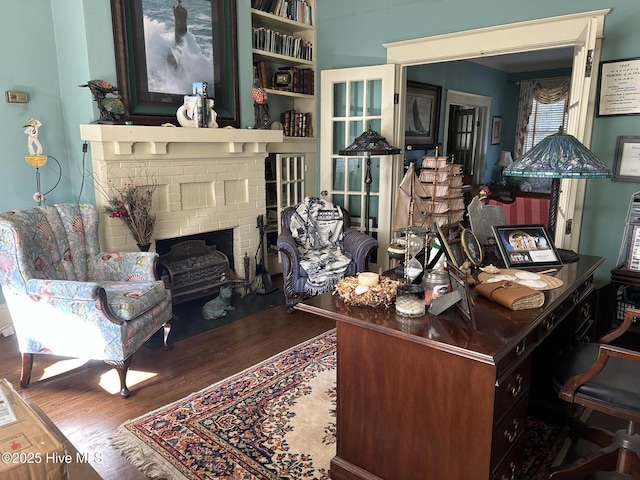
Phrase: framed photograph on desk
(459, 284)
(526, 246)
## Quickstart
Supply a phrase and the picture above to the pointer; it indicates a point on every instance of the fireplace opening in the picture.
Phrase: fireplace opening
(221, 239)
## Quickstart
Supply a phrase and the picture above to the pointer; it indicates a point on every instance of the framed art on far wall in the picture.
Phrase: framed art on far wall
(626, 162)
(162, 49)
(496, 130)
(619, 87)
(422, 115)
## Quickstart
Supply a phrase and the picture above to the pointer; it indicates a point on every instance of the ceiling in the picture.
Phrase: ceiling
(529, 61)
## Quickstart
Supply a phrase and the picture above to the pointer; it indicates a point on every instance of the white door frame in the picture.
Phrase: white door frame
(559, 32)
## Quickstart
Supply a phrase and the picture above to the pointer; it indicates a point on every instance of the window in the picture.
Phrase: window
(545, 120)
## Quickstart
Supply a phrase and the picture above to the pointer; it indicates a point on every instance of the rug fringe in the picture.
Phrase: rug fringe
(142, 457)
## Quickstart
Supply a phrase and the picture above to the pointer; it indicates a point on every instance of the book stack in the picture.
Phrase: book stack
(296, 124)
(296, 10)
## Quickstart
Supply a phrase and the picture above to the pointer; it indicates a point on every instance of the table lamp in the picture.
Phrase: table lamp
(558, 156)
(367, 144)
(504, 161)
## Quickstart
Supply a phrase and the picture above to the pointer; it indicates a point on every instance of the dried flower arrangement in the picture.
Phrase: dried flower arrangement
(133, 204)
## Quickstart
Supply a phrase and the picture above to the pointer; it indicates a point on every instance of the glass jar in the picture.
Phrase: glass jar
(410, 300)
(436, 284)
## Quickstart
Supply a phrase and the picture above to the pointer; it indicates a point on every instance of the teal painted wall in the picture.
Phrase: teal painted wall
(50, 47)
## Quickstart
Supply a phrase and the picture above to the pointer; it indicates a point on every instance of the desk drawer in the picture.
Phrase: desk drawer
(512, 388)
(524, 347)
(512, 464)
(508, 432)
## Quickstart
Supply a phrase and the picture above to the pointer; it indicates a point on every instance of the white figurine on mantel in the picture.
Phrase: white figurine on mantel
(187, 114)
(33, 144)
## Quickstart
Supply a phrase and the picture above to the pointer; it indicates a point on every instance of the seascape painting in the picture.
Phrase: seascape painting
(179, 45)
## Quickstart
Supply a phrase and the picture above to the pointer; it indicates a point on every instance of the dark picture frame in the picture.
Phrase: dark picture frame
(496, 129)
(422, 115)
(471, 247)
(526, 246)
(452, 246)
(633, 254)
(626, 162)
(142, 94)
(465, 306)
(618, 91)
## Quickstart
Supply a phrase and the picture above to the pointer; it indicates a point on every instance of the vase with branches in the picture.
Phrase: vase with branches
(133, 204)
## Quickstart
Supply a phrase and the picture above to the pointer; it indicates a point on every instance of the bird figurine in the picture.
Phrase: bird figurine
(260, 104)
(33, 144)
(110, 107)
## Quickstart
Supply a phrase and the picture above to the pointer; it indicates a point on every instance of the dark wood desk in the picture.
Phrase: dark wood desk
(431, 398)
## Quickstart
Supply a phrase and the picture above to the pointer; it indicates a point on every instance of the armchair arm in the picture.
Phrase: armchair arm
(122, 266)
(568, 390)
(629, 315)
(62, 289)
(359, 245)
(69, 292)
(289, 253)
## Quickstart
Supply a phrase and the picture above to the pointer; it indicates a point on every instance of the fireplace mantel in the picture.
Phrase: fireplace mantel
(123, 137)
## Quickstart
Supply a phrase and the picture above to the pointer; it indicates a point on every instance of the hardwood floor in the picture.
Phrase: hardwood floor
(87, 414)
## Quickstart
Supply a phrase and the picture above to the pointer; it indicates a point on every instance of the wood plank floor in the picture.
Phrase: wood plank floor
(87, 414)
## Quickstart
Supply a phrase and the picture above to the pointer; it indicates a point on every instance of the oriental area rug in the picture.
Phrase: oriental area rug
(275, 420)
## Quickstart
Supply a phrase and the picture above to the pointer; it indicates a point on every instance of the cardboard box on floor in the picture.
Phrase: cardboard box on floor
(28, 449)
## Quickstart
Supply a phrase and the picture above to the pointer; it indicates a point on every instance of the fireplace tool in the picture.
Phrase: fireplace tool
(262, 278)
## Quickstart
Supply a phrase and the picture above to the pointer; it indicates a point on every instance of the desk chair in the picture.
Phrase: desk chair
(604, 378)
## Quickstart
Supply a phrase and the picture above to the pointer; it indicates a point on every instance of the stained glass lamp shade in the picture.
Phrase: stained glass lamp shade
(558, 156)
(367, 144)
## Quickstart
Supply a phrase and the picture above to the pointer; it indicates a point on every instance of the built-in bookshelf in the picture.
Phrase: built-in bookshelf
(284, 61)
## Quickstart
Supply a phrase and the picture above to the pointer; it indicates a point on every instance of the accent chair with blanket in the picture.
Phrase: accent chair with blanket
(68, 298)
(318, 248)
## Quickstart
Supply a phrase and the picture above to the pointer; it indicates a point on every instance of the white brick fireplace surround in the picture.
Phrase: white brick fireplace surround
(208, 180)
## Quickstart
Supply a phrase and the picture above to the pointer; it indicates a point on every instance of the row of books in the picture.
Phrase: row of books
(296, 10)
(280, 43)
(296, 124)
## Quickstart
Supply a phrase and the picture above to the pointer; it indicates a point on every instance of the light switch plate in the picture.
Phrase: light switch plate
(16, 97)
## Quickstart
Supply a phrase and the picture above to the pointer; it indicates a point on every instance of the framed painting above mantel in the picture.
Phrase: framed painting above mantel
(162, 49)
(422, 115)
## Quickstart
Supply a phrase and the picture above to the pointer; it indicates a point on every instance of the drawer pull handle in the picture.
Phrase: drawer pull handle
(548, 323)
(512, 467)
(521, 348)
(513, 389)
(512, 436)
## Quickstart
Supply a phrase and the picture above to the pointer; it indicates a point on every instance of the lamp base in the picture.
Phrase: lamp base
(567, 256)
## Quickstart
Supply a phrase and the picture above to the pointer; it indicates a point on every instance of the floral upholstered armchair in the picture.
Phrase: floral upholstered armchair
(318, 248)
(68, 298)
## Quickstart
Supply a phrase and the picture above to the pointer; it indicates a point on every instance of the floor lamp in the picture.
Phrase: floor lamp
(367, 144)
(558, 156)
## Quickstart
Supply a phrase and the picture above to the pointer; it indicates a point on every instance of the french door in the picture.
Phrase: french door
(354, 100)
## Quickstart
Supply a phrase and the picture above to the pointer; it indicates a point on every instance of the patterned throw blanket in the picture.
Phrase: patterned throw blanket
(318, 229)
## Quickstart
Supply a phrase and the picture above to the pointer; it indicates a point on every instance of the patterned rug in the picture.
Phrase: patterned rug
(275, 420)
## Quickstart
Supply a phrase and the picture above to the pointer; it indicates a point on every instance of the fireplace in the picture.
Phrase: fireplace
(209, 180)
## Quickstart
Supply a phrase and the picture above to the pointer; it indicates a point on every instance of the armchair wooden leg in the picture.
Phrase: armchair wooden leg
(166, 329)
(27, 365)
(121, 367)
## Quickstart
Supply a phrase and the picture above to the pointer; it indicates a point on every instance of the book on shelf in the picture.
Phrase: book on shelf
(296, 124)
(260, 73)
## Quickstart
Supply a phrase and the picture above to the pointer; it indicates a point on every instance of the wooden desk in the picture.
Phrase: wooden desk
(433, 399)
